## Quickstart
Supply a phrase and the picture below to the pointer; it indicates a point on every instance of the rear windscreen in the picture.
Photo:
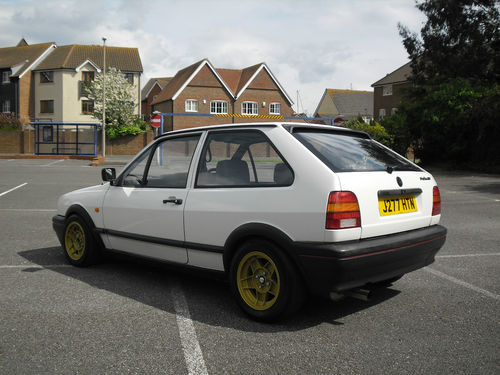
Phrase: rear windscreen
(348, 153)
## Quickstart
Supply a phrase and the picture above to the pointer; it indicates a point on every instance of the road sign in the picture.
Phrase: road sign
(156, 120)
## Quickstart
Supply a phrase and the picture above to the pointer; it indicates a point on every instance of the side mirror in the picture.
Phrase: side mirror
(108, 174)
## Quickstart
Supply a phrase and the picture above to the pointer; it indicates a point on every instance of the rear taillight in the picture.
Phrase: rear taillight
(436, 201)
(342, 211)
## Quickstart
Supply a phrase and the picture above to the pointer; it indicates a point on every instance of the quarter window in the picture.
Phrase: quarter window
(191, 105)
(249, 108)
(46, 77)
(275, 109)
(241, 159)
(166, 165)
(218, 106)
(46, 106)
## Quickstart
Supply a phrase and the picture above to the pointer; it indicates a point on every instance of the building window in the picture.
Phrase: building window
(129, 77)
(46, 106)
(87, 107)
(218, 106)
(275, 109)
(381, 113)
(387, 90)
(5, 77)
(393, 111)
(249, 108)
(46, 77)
(6, 106)
(191, 105)
(88, 77)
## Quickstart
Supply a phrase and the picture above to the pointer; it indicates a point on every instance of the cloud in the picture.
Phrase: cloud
(309, 45)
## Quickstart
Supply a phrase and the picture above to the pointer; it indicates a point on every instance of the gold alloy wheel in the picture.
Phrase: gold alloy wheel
(74, 239)
(258, 280)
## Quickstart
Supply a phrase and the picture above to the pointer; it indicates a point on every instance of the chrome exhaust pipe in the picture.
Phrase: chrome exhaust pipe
(361, 294)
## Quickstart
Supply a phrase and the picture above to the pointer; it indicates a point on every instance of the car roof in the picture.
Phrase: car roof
(289, 126)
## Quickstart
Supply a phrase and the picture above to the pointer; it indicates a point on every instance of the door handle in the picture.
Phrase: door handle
(172, 200)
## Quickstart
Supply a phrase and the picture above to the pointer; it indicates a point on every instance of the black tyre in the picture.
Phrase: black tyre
(80, 246)
(265, 282)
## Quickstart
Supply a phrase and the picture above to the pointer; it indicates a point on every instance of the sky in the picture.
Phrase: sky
(309, 45)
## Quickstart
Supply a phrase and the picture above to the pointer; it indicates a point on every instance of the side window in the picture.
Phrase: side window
(241, 159)
(167, 167)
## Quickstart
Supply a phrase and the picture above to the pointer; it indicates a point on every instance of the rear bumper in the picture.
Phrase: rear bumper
(347, 265)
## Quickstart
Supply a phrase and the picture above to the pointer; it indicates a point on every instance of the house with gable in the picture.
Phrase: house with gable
(390, 90)
(59, 78)
(150, 92)
(251, 94)
(16, 65)
(345, 105)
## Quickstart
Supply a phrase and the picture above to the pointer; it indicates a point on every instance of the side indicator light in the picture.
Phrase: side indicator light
(342, 211)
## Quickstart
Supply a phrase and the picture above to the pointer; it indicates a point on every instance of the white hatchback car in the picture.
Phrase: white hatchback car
(280, 208)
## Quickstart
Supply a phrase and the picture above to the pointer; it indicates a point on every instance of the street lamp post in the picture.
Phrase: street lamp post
(104, 97)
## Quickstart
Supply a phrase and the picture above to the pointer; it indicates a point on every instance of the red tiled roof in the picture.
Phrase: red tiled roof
(233, 79)
(24, 55)
(176, 83)
(72, 56)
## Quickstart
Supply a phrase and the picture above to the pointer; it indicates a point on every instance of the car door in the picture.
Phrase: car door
(144, 210)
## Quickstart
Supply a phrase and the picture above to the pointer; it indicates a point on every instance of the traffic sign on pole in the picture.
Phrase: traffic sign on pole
(156, 120)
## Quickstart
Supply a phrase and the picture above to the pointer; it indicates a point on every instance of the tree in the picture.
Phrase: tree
(452, 112)
(374, 129)
(120, 106)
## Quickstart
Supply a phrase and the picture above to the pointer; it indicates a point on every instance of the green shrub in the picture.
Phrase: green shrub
(9, 123)
(374, 129)
(134, 127)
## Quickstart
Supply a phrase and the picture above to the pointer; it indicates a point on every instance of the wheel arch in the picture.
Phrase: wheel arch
(260, 231)
(79, 210)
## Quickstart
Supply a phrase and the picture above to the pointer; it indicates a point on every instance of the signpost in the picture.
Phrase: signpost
(156, 120)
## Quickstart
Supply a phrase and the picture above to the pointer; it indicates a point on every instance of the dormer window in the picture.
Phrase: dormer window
(46, 77)
(87, 77)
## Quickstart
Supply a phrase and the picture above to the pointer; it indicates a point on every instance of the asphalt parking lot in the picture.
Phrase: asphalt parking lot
(131, 317)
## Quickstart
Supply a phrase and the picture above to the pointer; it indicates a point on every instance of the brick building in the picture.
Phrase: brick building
(247, 95)
(16, 65)
(389, 91)
(150, 92)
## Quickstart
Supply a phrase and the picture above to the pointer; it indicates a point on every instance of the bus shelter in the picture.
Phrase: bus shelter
(63, 138)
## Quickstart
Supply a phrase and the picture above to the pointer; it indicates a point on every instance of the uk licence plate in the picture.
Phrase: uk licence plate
(397, 205)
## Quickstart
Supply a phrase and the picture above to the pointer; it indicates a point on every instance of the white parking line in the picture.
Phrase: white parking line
(189, 341)
(17, 187)
(14, 266)
(467, 255)
(27, 210)
(54, 162)
(463, 283)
